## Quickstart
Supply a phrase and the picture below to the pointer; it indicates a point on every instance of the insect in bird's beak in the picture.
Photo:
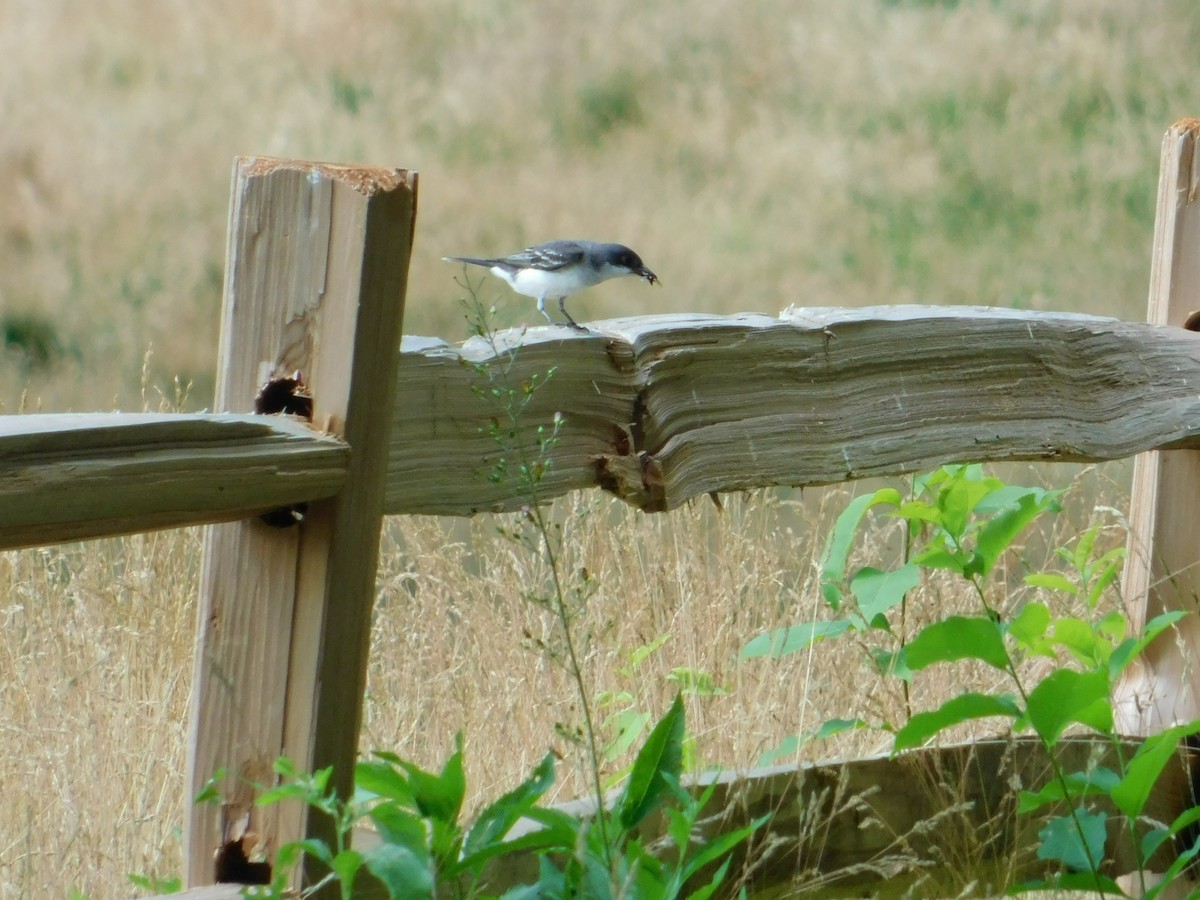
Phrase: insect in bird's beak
(648, 275)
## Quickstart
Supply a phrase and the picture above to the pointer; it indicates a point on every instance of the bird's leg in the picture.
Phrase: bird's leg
(542, 309)
(562, 305)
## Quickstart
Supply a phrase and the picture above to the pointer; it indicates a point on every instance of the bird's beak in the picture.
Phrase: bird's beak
(647, 274)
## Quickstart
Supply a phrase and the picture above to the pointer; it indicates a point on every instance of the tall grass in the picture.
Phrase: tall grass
(756, 155)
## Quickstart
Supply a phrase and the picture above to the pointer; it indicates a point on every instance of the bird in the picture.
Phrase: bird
(560, 269)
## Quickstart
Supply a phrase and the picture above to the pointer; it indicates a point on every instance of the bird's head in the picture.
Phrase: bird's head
(622, 258)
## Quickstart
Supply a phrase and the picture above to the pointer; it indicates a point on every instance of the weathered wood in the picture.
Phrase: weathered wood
(662, 409)
(75, 476)
(875, 825)
(212, 892)
(1161, 572)
(316, 270)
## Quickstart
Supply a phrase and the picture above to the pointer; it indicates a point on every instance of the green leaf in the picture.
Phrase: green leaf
(696, 682)
(786, 748)
(935, 556)
(919, 511)
(1002, 495)
(957, 500)
(345, 866)
(718, 847)
(403, 872)
(841, 539)
(640, 654)
(1028, 628)
(661, 754)
(877, 592)
(629, 725)
(891, 663)
(439, 797)
(384, 780)
(290, 791)
(706, 891)
(1097, 781)
(1001, 529)
(791, 745)
(498, 818)
(784, 641)
(1067, 696)
(959, 709)
(1083, 548)
(1129, 648)
(1063, 842)
(397, 825)
(1147, 764)
(1110, 566)
(1156, 838)
(1053, 581)
(211, 792)
(1079, 638)
(1113, 627)
(314, 847)
(957, 637)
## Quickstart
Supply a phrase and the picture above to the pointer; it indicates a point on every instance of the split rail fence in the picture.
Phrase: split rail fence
(662, 409)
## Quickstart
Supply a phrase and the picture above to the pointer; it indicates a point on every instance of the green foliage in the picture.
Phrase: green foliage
(153, 884)
(596, 109)
(349, 95)
(961, 521)
(426, 850)
(625, 721)
(33, 339)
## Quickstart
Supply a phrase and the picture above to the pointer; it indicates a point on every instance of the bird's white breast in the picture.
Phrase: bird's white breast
(541, 283)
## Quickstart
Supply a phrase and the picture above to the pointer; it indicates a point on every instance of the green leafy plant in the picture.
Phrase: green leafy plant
(156, 885)
(424, 848)
(608, 859)
(625, 721)
(961, 521)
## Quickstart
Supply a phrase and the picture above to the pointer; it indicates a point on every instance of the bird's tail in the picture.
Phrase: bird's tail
(470, 260)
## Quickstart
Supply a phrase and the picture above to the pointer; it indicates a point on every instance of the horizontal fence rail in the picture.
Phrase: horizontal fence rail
(661, 409)
(656, 410)
(75, 476)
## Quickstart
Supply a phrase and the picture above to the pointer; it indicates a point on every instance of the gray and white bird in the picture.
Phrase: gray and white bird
(560, 269)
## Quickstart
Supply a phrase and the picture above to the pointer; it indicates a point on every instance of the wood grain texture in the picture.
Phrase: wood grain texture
(661, 409)
(1161, 572)
(76, 476)
(315, 276)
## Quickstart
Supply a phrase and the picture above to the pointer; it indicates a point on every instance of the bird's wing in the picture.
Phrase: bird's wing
(548, 257)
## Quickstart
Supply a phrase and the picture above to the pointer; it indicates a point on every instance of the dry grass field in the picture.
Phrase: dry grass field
(756, 155)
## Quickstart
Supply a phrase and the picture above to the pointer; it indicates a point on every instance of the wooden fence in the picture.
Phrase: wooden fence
(661, 409)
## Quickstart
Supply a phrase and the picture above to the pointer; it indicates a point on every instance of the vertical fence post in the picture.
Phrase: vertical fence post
(315, 279)
(1163, 569)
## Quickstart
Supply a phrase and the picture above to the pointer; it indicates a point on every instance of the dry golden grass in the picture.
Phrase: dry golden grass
(755, 154)
(99, 640)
